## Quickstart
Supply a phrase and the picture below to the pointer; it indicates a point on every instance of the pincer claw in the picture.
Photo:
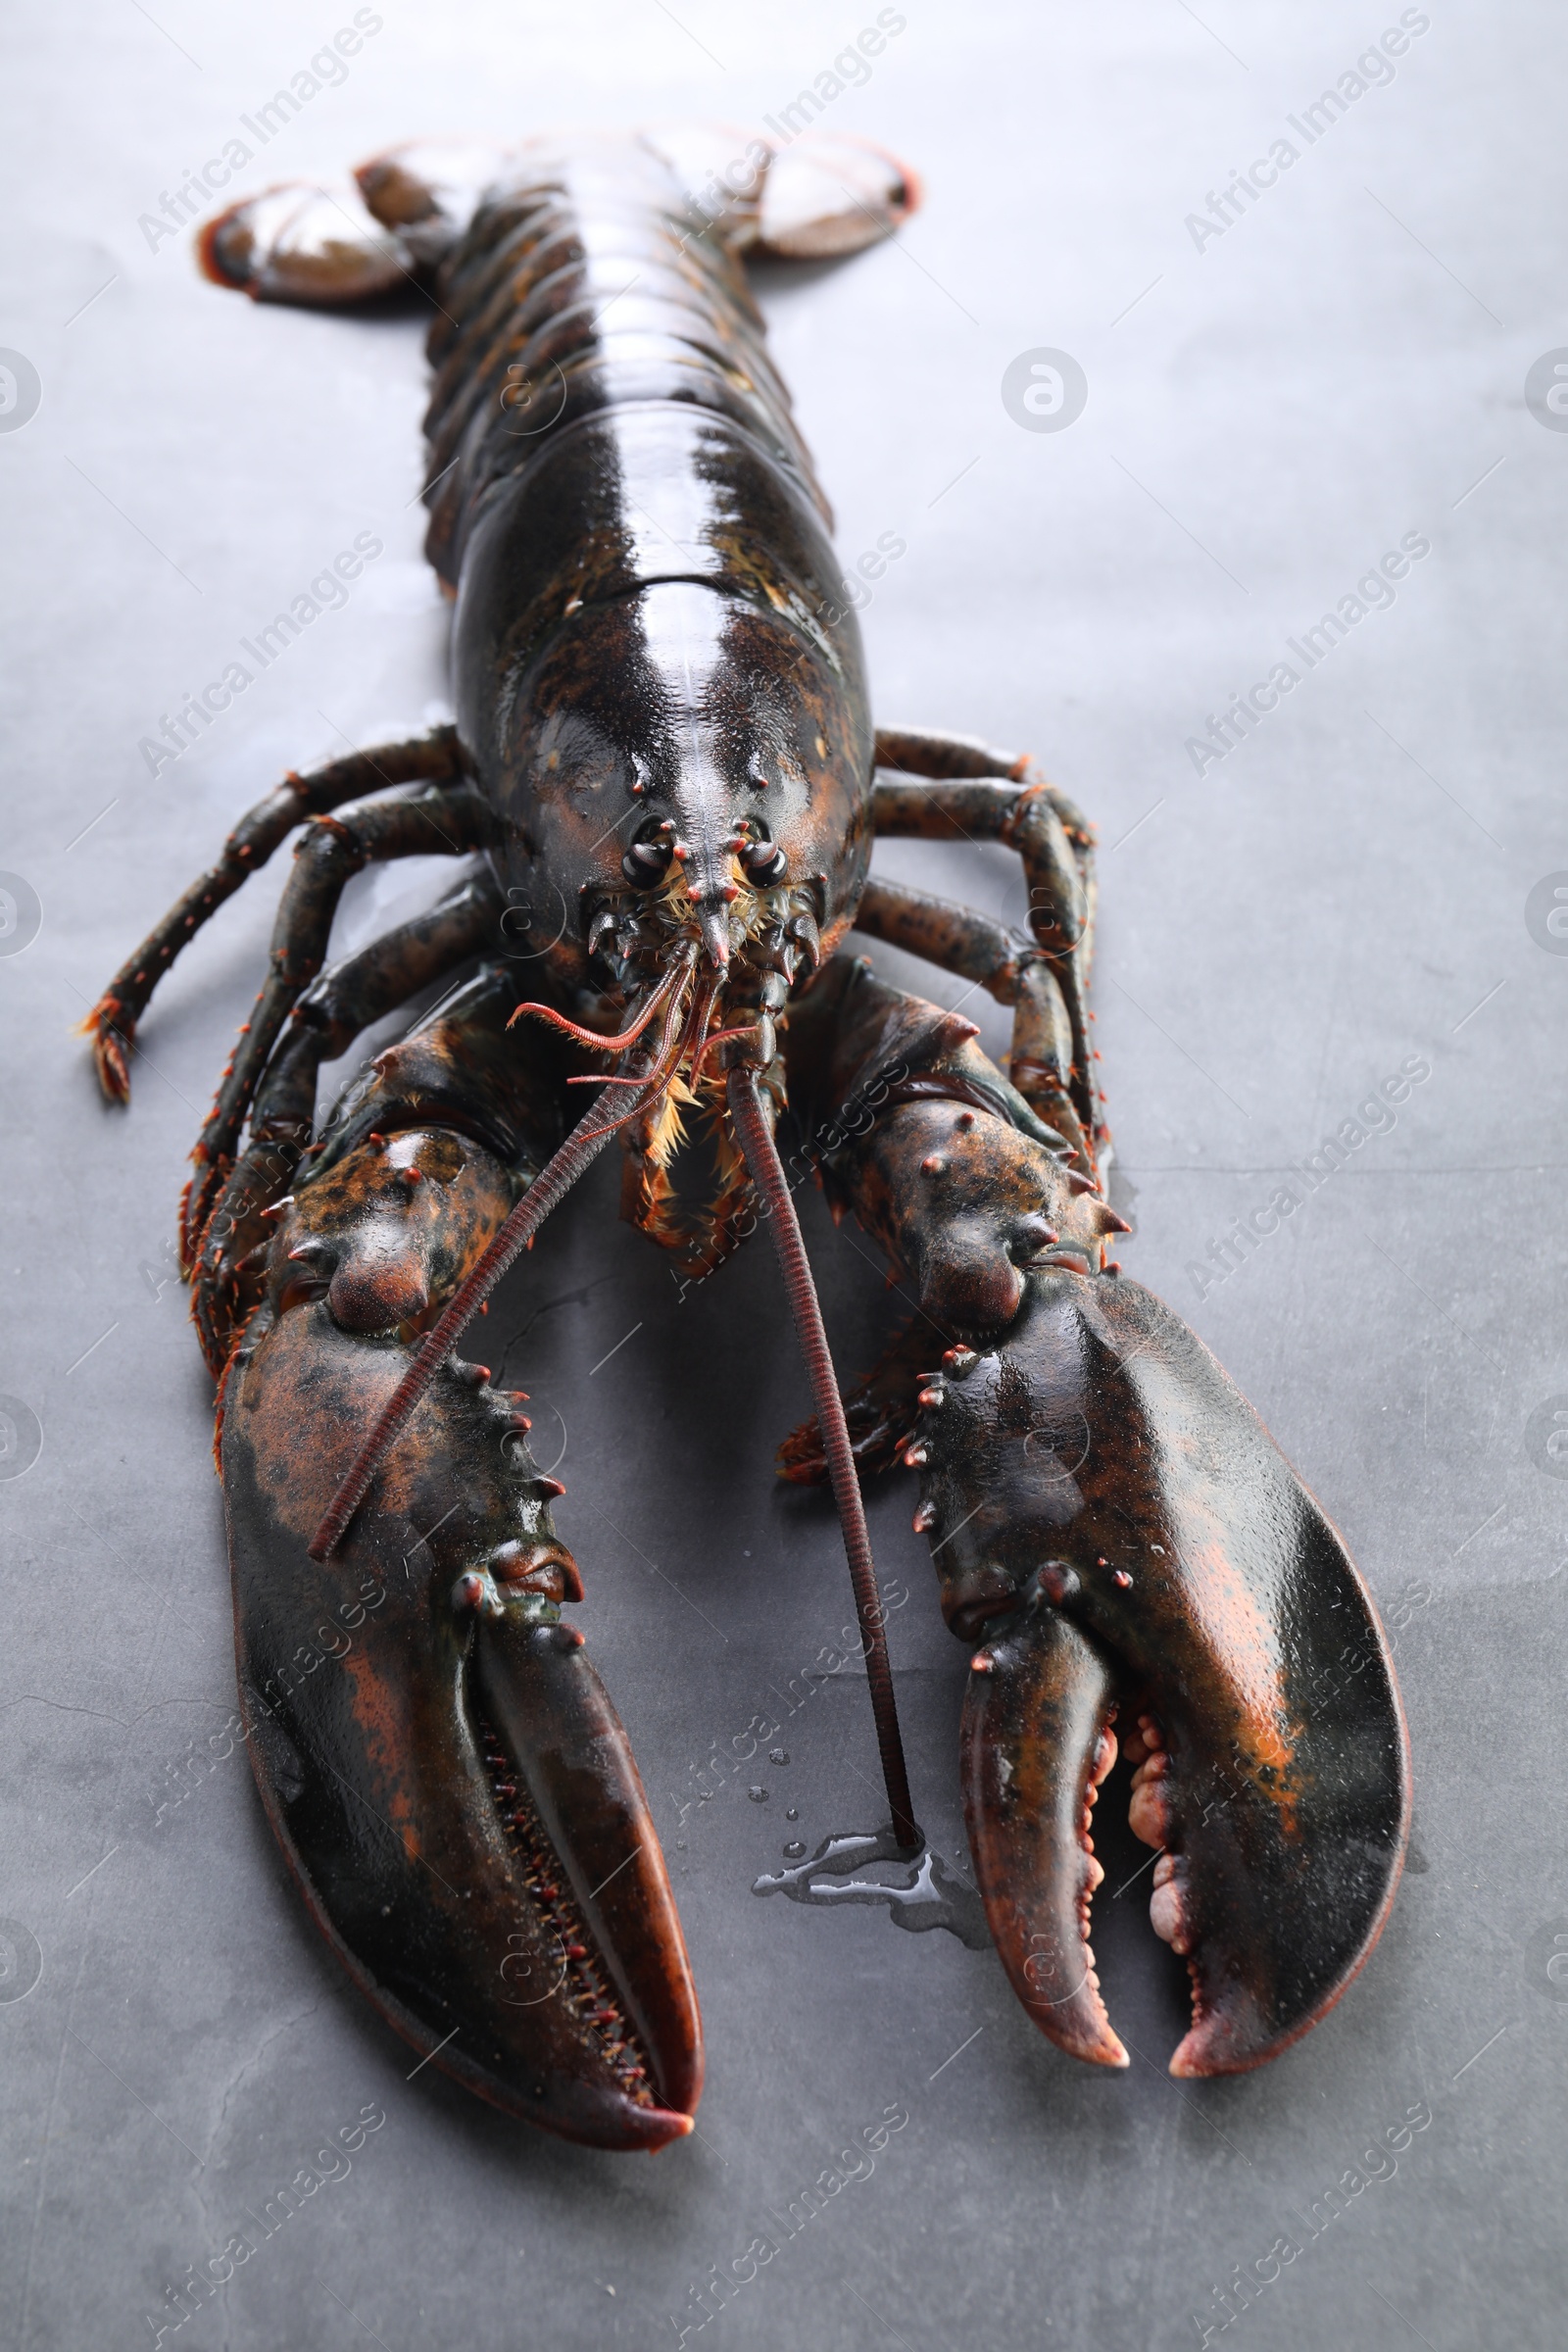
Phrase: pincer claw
(1271, 1755)
(1035, 1751)
(443, 1767)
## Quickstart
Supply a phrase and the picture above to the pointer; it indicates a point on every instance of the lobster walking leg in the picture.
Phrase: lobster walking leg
(1113, 1524)
(227, 1277)
(443, 1767)
(451, 818)
(975, 947)
(112, 1022)
(979, 794)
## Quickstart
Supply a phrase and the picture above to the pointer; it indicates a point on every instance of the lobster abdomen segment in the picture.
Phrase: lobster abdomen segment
(652, 650)
(581, 285)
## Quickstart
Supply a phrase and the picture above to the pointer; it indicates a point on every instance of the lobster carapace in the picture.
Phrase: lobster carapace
(665, 779)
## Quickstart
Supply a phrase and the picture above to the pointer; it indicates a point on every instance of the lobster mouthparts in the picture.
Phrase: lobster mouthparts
(1116, 1525)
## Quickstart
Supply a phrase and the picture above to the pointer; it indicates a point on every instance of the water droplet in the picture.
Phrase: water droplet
(778, 1755)
(792, 1812)
(758, 1797)
(932, 1897)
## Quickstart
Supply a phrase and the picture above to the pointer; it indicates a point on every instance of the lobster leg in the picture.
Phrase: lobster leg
(450, 817)
(975, 947)
(1113, 1526)
(979, 794)
(1041, 1066)
(227, 1276)
(112, 1022)
(443, 1767)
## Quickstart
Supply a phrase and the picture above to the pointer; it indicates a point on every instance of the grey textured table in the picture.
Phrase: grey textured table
(1273, 404)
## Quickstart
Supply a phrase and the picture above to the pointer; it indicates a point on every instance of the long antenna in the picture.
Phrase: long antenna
(604, 1117)
(755, 1133)
(609, 1110)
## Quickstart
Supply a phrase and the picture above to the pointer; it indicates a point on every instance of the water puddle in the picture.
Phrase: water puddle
(925, 1895)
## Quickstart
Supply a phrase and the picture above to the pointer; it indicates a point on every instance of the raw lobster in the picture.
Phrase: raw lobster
(665, 775)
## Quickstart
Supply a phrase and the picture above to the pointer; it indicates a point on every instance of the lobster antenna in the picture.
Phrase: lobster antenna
(603, 1118)
(755, 1133)
(581, 1148)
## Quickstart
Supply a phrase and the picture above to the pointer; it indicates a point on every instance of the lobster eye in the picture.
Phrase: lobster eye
(763, 862)
(646, 861)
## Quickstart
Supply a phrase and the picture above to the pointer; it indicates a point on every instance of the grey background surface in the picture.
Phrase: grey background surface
(1267, 414)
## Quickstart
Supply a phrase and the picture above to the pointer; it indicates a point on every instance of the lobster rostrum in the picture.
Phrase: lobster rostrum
(665, 775)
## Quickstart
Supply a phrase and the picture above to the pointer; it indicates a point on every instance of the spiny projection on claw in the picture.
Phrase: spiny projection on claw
(664, 780)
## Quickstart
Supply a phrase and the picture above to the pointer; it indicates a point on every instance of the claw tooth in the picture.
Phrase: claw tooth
(925, 1518)
(1032, 1738)
(1167, 1905)
(916, 1458)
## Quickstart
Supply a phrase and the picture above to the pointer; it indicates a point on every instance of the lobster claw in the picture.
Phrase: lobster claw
(1036, 1744)
(1116, 1524)
(440, 1761)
